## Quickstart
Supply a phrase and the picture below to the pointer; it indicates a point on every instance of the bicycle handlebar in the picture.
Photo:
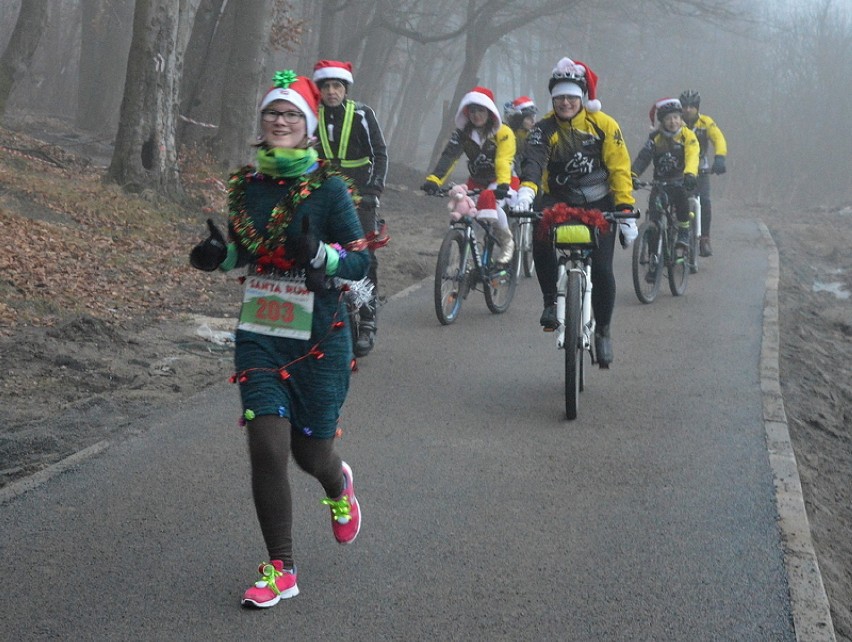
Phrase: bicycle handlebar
(610, 216)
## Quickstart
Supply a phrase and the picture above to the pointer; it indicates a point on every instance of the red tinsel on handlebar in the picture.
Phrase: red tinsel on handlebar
(562, 213)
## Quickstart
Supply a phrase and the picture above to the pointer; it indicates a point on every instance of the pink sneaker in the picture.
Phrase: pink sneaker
(345, 511)
(276, 583)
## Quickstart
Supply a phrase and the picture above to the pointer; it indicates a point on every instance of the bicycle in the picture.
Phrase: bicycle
(465, 263)
(656, 248)
(574, 235)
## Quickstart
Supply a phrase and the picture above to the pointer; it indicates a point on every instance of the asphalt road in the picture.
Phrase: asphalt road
(486, 515)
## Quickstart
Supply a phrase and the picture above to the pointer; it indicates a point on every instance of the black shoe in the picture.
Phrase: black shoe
(603, 346)
(548, 317)
(366, 338)
(651, 276)
(704, 248)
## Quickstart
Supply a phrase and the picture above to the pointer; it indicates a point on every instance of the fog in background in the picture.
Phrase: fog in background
(774, 74)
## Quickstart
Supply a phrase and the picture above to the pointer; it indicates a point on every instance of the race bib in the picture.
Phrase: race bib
(277, 307)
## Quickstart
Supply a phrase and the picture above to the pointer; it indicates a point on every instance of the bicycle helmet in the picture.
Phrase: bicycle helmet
(690, 98)
(575, 79)
(663, 108)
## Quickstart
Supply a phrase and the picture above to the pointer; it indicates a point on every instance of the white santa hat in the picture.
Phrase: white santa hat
(333, 69)
(478, 96)
(298, 90)
(663, 107)
(486, 205)
(522, 102)
(574, 78)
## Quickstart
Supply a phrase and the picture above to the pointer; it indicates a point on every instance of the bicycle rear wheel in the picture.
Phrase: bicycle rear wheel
(451, 273)
(573, 345)
(647, 262)
(678, 264)
(500, 281)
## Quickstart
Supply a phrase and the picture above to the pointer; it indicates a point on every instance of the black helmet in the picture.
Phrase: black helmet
(690, 98)
(664, 107)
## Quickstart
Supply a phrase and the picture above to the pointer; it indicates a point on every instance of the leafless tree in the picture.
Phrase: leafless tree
(16, 60)
(145, 156)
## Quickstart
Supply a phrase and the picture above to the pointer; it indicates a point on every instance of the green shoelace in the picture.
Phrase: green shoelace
(340, 509)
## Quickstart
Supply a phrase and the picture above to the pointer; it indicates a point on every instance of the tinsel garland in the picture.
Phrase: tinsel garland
(562, 213)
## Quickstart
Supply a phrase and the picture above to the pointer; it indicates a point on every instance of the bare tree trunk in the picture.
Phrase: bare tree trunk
(104, 33)
(208, 22)
(145, 156)
(22, 46)
(244, 74)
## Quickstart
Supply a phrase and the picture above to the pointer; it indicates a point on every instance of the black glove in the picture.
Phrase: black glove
(369, 201)
(304, 250)
(209, 254)
(718, 165)
(429, 187)
(500, 191)
(689, 182)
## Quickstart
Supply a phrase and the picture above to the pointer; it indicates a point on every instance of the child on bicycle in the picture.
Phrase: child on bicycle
(673, 149)
(520, 116)
(489, 145)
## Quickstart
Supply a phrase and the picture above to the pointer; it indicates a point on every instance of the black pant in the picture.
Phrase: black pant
(603, 279)
(704, 193)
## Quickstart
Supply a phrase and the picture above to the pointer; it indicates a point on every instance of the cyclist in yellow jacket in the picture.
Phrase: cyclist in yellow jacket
(673, 149)
(708, 133)
(576, 155)
(489, 145)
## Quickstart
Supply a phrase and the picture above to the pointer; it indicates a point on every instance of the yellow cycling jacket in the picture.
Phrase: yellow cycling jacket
(708, 132)
(578, 161)
(673, 156)
(488, 162)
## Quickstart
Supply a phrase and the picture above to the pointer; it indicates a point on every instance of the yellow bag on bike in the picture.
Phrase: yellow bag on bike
(575, 235)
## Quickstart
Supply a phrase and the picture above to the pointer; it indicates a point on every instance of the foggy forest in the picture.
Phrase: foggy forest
(161, 75)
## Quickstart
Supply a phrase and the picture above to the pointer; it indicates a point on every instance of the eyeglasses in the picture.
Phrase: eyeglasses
(563, 98)
(290, 117)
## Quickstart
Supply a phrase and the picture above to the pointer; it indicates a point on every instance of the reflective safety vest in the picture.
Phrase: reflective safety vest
(343, 146)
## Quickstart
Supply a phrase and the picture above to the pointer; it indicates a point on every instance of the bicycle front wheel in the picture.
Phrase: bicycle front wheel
(573, 345)
(501, 281)
(692, 258)
(646, 262)
(451, 273)
(678, 264)
(526, 249)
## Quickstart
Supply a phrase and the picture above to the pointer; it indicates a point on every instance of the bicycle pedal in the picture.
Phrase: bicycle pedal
(544, 329)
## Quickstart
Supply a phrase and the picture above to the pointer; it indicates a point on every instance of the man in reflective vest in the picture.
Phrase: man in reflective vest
(350, 137)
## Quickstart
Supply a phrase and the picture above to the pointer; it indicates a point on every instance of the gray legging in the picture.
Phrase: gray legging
(270, 442)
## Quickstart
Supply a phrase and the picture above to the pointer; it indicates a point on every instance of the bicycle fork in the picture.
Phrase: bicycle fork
(562, 290)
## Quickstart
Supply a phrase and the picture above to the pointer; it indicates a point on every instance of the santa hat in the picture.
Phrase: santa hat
(570, 78)
(522, 102)
(663, 107)
(333, 69)
(300, 91)
(482, 97)
(486, 205)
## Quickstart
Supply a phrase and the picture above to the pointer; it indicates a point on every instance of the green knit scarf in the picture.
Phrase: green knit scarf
(285, 162)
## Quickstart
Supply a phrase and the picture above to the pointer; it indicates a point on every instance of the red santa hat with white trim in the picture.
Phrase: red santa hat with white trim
(522, 102)
(663, 107)
(484, 98)
(298, 90)
(333, 70)
(574, 78)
